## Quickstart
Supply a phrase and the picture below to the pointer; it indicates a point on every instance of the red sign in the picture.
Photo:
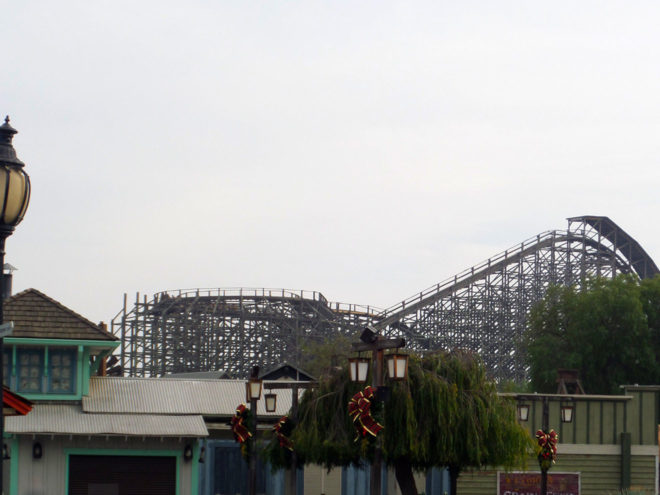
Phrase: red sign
(529, 483)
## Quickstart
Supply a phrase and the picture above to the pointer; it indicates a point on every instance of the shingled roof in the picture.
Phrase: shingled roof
(35, 315)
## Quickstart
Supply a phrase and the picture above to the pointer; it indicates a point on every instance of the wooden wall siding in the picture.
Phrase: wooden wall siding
(643, 470)
(47, 476)
(595, 422)
(478, 482)
(599, 474)
(649, 419)
(633, 418)
(643, 416)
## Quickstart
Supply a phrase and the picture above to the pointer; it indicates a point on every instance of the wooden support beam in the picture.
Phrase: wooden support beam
(379, 345)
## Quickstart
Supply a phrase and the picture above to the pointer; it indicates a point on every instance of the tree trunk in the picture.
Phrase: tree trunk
(454, 471)
(404, 476)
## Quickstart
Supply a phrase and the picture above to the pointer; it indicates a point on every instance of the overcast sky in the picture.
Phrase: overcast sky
(366, 150)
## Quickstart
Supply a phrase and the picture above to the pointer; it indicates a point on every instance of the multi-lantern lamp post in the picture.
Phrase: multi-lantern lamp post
(566, 414)
(397, 369)
(295, 388)
(14, 199)
(252, 394)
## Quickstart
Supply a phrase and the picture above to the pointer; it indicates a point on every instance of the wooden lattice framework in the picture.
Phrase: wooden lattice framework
(483, 309)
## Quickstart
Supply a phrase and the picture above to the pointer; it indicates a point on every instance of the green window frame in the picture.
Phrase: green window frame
(6, 366)
(51, 370)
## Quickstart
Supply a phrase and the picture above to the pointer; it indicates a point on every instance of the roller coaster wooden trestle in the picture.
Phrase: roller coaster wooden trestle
(483, 309)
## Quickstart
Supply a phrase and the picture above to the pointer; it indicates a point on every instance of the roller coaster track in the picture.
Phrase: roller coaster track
(227, 329)
(483, 308)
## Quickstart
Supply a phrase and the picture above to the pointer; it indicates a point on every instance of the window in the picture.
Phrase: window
(41, 371)
(30, 370)
(61, 371)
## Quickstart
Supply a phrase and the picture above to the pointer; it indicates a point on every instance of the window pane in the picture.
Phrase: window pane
(30, 370)
(61, 371)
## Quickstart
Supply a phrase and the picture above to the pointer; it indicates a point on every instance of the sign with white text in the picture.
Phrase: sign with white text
(529, 483)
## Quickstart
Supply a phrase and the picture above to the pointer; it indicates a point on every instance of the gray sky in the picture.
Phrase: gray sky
(366, 150)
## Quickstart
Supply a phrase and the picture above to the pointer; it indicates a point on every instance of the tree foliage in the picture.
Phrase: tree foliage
(319, 357)
(447, 413)
(609, 331)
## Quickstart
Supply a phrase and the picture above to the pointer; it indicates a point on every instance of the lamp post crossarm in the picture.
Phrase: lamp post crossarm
(545, 397)
(289, 385)
(379, 345)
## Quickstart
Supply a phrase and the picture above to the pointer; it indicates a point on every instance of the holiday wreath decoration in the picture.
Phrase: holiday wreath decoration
(239, 424)
(283, 430)
(548, 448)
(359, 409)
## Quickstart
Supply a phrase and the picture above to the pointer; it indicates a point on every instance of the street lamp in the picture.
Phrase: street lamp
(566, 413)
(397, 369)
(359, 368)
(253, 393)
(397, 366)
(14, 199)
(271, 402)
(294, 387)
(253, 388)
(523, 415)
(523, 412)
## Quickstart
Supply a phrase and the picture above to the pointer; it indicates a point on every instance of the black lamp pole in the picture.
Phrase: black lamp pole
(292, 488)
(545, 426)
(566, 417)
(371, 341)
(252, 479)
(254, 394)
(14, 199)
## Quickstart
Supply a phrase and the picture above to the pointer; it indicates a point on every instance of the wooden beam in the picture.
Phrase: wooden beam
(289, 385)
(379, 345)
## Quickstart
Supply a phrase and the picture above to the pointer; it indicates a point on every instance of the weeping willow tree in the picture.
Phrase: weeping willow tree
(446, 414)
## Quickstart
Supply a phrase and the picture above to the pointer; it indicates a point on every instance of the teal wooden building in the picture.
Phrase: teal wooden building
(65, 446)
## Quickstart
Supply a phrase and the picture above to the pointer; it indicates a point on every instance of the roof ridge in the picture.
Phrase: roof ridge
(168, 379)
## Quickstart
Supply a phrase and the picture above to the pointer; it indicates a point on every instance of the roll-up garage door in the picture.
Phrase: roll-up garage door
(121, 475)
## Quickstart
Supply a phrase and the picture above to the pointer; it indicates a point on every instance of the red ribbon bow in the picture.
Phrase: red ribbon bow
(548, 444)
(240, 430)
(359, 409)
(280, 427)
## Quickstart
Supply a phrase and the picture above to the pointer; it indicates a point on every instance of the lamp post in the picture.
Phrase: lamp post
(253, 392)
(566, 417)
(397, 368)
(292, 488)
(14, 199)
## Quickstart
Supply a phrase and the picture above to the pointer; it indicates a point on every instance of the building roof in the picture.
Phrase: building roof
(120, 395)
(14, 404)
(144, 407)
(286, 371)
(35, 315)
(69, 419)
